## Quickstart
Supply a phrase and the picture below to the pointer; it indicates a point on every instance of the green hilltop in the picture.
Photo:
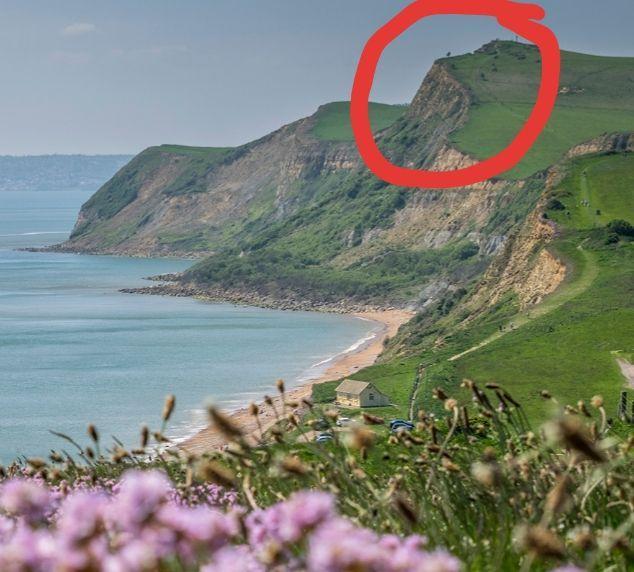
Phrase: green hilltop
(596, 97)
(332, 121)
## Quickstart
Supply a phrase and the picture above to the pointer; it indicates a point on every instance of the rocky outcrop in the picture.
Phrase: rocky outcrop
(524, 267)
(613, 142)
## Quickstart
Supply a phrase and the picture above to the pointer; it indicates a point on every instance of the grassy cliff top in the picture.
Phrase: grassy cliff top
(332, 121)
(595, 97)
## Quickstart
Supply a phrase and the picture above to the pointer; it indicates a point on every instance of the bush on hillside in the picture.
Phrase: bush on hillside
(555, 204)
(621, 227)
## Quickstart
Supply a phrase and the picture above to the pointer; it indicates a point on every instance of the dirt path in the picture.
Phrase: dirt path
(420, 377)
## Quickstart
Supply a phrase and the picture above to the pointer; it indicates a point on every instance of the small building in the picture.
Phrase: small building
(353, 393)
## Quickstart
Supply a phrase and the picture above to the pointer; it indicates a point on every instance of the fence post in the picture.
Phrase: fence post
(622, 412)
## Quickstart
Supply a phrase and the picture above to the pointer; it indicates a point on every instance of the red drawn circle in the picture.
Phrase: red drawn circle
(517, 17)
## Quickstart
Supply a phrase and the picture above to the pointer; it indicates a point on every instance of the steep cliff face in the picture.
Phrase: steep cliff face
(297, 215)
(300, 207)
(174, 200)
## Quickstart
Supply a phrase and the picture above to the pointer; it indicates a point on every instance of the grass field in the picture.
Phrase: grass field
(332, 121)
(597, 191)
(569, 349)
(596, 97)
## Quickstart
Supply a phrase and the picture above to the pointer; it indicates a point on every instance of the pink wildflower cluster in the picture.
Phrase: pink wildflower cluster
(141, 524)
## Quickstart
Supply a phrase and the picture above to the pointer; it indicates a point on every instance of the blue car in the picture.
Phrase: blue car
(397, 425)
(401, 422)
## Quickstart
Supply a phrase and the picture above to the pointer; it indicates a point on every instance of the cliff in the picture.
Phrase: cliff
(295, 216)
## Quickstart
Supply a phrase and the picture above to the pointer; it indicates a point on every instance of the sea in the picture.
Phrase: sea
(74, 350)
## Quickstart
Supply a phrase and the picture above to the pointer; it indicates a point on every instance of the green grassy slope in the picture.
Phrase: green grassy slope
(596, 97)
(569, 350)
(332, 121)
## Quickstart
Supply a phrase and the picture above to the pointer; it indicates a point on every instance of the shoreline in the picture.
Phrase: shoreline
(170, 286)
(343, 365)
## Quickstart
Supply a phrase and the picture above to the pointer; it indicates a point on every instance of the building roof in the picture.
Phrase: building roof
(352, 386)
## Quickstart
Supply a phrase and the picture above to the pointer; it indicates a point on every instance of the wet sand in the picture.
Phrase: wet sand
(209, 439)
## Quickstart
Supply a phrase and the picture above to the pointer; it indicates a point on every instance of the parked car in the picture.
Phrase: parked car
(397, 425)
(401, 422)
(324, 437)
(343, 421)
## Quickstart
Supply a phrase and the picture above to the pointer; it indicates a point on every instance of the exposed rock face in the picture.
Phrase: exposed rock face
(165, 220)
(617, 142)
(543, 279)
(524, 267)
(272, 177)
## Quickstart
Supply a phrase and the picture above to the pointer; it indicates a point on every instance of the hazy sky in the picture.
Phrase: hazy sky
(115, 76)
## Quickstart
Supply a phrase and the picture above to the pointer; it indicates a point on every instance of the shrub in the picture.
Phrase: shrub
(621, 227)
(555, 204)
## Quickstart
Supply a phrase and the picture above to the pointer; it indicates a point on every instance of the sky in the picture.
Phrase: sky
(117, 76)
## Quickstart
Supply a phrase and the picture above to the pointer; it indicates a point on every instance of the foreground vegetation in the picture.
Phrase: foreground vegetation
(474, 488)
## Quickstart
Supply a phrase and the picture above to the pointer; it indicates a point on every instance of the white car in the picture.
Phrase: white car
(343, 421)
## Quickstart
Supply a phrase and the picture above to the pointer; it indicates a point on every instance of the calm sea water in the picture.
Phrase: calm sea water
(74, 350)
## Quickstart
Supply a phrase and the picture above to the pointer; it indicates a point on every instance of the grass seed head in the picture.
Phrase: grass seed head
(558, 498)
(92, 433)
(541, 542)
(212, 471)
(487, 474)
(224, 424)
(362, 438)
(293, 465)
(369, 419)
(439, 394)
(451, 404)
(570, 432)
(145, 436)
(168, 407)
(406, 509)
(597, 401)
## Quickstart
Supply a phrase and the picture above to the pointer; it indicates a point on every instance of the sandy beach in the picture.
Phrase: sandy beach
(345, 365)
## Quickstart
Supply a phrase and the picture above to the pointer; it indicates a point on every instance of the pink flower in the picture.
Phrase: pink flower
(289, 521)
(26, 499)
(28, 549)
(81, 516)
(234, 559)
(138, 499)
